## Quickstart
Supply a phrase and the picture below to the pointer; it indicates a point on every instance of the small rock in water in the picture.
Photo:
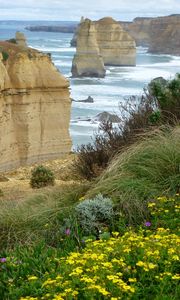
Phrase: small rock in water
(88, 100)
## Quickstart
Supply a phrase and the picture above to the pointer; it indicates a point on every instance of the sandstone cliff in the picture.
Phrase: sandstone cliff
(160, 35)
(101, 43)
(34, 108)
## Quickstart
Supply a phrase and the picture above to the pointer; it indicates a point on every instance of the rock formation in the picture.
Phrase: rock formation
(160, 35)
(34, 108)
(116, 46)
(107, 117)
(101, 43)
(87, 61)
(21, 39)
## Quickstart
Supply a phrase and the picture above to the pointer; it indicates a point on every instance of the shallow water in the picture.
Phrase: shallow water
(119, 83)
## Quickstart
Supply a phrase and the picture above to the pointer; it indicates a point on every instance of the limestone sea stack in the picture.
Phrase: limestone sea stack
(116, 46)
(21, 39)
(34, 107)
(101, 43)
(87, 61)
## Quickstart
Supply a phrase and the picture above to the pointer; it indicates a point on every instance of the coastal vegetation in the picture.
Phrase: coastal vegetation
(115, 235)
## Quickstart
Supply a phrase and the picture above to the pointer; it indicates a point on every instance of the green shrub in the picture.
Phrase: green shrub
(166, 94)
(5, 55)
(12, 41)
(94, 214)
(41, 177)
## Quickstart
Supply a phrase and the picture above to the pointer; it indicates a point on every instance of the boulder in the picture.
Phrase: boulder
(106, 116)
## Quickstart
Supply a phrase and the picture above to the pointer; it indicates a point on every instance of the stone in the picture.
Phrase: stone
(88, 100)
(107, 117)
(87, 61)
(34, 108)
(21, 39)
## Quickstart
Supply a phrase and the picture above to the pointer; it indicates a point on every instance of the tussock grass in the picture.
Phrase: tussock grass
(38, 218)
(147, 169)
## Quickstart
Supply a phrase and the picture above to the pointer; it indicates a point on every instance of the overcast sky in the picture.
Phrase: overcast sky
(94, 9)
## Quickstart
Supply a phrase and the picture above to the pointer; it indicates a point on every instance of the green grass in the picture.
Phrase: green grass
(147, 169)
(39, 218)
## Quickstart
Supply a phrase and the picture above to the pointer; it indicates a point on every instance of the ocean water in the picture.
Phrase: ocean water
(119, 83)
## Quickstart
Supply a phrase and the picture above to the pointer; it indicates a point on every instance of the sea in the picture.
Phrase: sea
(119, 84)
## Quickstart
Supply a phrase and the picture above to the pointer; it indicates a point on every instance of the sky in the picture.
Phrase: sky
(72, 10)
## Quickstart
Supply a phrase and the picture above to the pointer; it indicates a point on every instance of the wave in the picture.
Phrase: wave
(52, 49)
(62, 63)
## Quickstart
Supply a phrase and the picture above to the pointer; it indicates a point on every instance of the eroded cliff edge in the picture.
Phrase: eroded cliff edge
(34, 108)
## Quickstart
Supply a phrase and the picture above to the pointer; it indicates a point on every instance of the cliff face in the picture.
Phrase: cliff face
(87, 60)
(165, 37)
(160, 35)
(140, 30)
(34, 108)
(101, 43)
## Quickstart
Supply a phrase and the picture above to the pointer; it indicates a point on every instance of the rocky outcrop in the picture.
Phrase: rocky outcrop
(101, 43)
(88, 100)
(21, 39)
(87, 61)
(107, 117)
(34, 108)
(160, 35)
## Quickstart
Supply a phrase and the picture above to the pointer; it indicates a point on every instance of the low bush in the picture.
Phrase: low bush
(94, 214)
(166, 94)
(12, 41)
(41, 177)
(5, 55)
